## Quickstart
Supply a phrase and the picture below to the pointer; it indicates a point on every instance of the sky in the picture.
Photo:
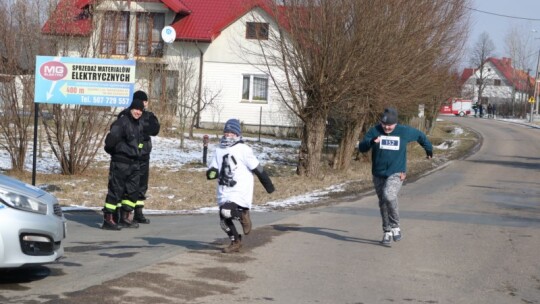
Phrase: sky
(497, 17)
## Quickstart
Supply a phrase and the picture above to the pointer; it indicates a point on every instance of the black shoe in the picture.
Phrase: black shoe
(141, 220)
(139, 216)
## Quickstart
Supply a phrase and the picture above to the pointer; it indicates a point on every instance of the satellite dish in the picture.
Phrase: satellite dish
(168, 34)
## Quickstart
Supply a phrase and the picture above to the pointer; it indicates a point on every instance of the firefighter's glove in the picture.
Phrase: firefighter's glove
(212, 173)
(429, 154)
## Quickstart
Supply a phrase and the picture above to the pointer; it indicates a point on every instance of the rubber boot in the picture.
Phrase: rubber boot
(139, 216)
(109, 223)
(234, 246)
(126, 222)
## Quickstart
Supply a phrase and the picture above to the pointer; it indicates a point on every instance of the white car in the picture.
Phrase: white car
(32, 225)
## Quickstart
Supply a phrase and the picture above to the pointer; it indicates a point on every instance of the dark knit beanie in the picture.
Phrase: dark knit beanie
(137, 104)
(389, 116)
(233, 126)
(140, 95)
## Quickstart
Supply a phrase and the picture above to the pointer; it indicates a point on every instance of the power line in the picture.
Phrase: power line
(501, 15)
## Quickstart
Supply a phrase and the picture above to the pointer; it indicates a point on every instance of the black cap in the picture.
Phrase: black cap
(137, 104)
(140, 95)
(389, 116)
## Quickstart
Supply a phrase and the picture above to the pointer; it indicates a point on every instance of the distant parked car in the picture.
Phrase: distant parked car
(32, 225)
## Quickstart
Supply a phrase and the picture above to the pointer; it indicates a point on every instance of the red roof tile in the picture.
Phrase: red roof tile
(467, 73)
(196, 20)
(209, 17)
(177, 6)
(521, 80)
(66, 20)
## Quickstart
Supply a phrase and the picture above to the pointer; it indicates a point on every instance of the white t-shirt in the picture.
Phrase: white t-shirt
(241, 161)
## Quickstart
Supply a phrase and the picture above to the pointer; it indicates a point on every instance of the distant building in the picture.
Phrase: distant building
(216, 53)
(504, 86)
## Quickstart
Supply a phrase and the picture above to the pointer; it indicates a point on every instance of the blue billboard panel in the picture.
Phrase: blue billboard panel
(84, 81)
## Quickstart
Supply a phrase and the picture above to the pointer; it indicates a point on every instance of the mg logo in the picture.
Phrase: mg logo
(53, 70)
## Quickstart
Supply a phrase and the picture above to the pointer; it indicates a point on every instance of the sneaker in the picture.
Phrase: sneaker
(234, 246)
(245, 220)
(387, 238)
(396, 234)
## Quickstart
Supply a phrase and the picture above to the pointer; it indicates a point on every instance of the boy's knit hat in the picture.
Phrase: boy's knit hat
(140, 95)
(137, 104)
(233, 126)
(389, 116)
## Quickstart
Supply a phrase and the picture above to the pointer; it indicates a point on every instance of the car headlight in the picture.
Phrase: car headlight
(22, 202)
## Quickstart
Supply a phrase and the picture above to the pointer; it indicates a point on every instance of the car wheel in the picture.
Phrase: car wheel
(461, 114)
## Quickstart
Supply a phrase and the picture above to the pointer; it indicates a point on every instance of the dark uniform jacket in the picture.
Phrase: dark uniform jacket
(124, 139)
(150, 127)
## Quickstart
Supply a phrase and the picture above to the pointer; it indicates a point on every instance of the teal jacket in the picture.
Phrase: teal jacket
(390, 155)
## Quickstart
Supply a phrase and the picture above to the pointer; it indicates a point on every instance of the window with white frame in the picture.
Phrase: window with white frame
(255, 88)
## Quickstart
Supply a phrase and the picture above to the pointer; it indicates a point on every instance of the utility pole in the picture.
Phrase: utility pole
(535, 99)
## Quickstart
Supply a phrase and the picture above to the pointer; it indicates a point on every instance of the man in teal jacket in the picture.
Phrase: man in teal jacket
(388, 143)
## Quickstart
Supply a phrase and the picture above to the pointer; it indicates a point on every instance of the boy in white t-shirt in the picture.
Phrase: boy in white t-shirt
(233, 165)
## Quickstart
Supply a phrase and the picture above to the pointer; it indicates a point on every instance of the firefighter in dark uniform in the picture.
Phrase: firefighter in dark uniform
(151, 127)
(124, 143)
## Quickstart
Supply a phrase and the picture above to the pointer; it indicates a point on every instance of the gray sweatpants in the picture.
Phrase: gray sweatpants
(387, 189)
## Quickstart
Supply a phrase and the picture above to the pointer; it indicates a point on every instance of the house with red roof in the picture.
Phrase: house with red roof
(214, 63)
(503, 84)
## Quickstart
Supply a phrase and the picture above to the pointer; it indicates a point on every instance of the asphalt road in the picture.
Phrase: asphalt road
(471, 234)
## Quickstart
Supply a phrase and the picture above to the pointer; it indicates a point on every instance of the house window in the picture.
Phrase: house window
(255, 88)
(164, 86)
(497, 82)
(115, 33)
(478, 82)
(257, 30)
(149, 26)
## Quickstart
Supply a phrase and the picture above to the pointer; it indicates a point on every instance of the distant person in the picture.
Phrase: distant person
(233, 165)
(475, 108)
(388, 143)
(150, 127)
(481, 110)
(494, 111)
(490, 110)
(123, 144)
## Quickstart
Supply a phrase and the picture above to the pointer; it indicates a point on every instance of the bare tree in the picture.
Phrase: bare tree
(315, 53)
(350, 58)
(518, 44)
(20, 42)
(75, 133)
(192, 99)
(483, 49)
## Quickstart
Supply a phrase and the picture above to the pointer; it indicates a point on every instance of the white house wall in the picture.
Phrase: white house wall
(226, 78)
(495, 94)
(227, 59)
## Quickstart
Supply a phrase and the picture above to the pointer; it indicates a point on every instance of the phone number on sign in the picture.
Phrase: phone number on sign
(106, 100)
